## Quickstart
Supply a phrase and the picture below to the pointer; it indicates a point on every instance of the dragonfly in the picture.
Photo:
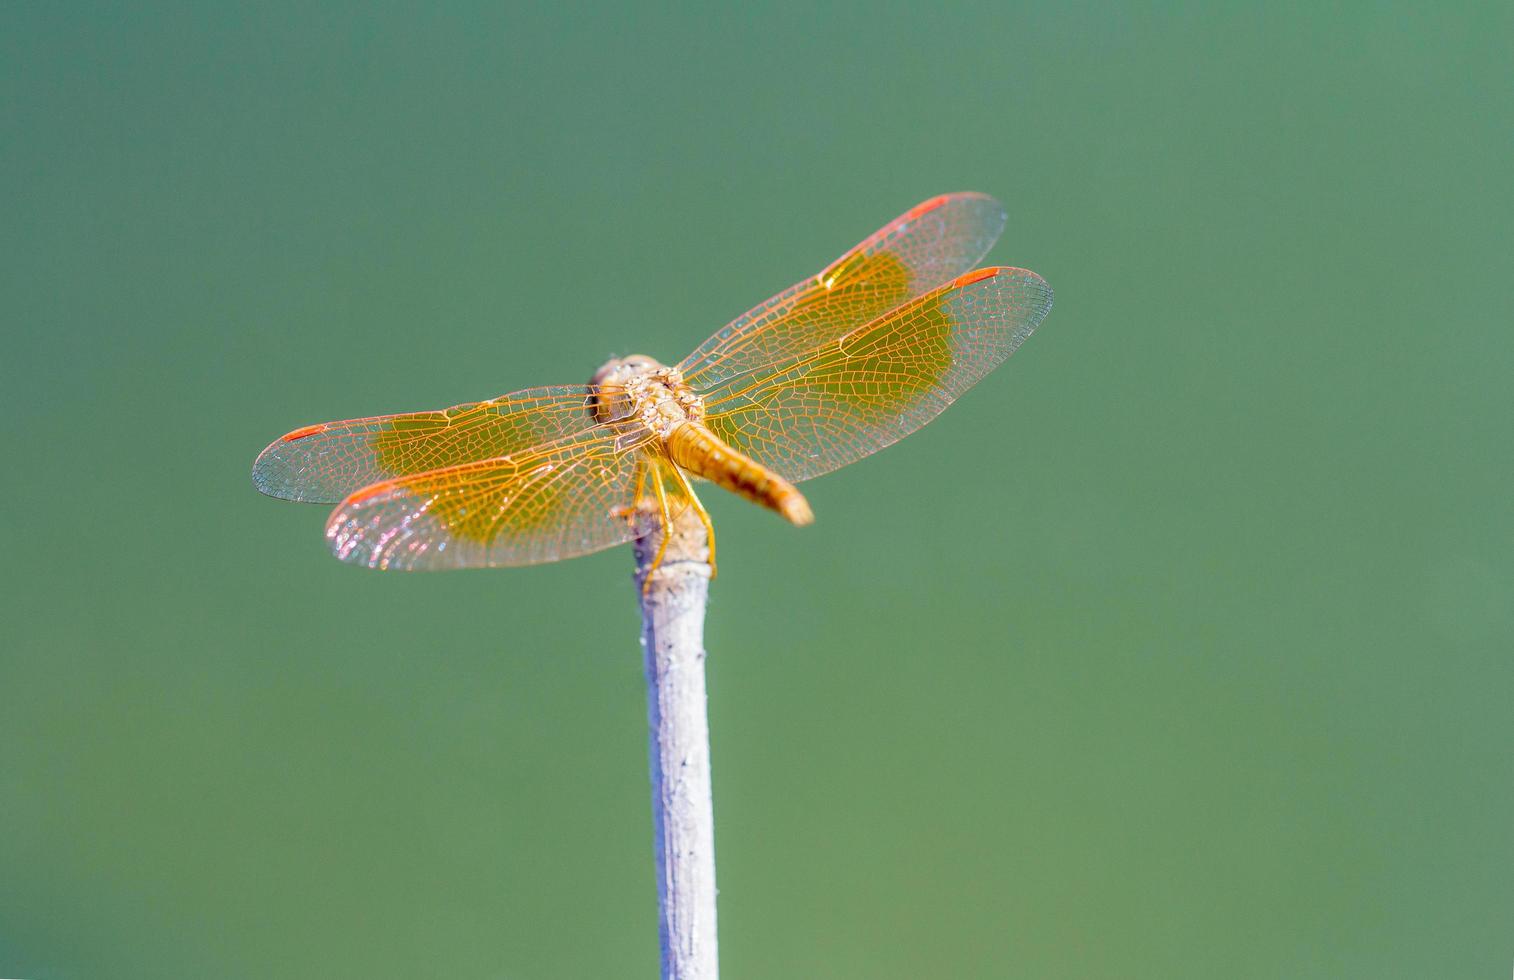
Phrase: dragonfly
(832, 369)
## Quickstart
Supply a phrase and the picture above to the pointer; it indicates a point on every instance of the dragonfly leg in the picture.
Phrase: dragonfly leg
(704, 515)
(666, 518)
(627, 512)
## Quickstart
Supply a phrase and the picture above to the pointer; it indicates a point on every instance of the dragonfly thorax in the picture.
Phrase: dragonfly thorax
(641, 389)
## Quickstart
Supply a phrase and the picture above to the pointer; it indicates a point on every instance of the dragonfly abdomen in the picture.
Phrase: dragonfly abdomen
(699, 451)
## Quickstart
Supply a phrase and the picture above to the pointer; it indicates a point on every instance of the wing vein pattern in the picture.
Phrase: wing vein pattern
(930, 244)
(813, 412)
(566, 498)
(325, 463)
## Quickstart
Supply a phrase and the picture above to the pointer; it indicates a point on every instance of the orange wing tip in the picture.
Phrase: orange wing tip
(925, 207)
(309, 430)
(977, 275)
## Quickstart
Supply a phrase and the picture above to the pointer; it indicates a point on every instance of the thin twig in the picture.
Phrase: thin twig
(683, 819)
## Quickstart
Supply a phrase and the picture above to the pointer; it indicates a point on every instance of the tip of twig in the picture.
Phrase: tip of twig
(688, 550)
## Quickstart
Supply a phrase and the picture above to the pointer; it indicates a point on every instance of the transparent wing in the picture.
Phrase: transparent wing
(324, 463)
(930, 244)
(554, 501)
(814, 412)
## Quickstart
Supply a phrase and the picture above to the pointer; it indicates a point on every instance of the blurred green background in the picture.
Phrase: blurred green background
(1181, 647)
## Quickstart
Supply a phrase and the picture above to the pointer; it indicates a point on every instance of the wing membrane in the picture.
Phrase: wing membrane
(324, 463)
(555, 501)
(930, 244)
(814, 412)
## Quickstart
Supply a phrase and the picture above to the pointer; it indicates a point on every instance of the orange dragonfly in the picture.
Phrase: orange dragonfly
(830, 370)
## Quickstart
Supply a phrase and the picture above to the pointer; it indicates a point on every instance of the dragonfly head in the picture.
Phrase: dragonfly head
(623, 369)
(609, 399)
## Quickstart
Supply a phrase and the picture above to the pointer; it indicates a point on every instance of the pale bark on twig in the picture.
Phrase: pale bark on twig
(672, 608)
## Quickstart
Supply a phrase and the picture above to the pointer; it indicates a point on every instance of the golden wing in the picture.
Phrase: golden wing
(324, 463)
(930, 244)
(815, 411)
(562, 499)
